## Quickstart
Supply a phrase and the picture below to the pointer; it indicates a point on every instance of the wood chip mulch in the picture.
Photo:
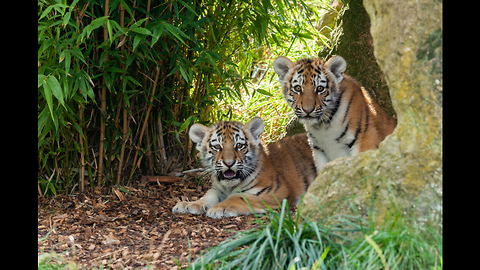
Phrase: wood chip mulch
(129, 227)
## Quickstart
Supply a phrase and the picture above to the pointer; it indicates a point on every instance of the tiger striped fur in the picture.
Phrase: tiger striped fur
(340, 117)
(240, 165)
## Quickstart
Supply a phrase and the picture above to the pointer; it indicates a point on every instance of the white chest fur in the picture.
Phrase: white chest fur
(331, 140)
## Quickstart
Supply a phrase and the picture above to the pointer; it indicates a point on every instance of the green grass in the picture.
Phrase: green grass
(347, 242)
(54, 261)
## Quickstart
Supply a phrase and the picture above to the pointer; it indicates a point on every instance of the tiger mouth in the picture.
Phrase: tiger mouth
(308, 117)
(228, 175)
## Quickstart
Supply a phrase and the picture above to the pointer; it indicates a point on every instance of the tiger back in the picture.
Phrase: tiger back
(241, 167)
(340, 117)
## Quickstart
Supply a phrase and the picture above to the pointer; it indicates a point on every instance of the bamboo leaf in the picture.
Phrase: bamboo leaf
(176, 32)
(45, 12)
(77, 127)
(40, 80)
(184, 74)
(92, 26)
(188, 7)
(130, 59)
(66, 19)
(108, 81)
(115, 69)
(141, 30)
(130, 78)
(264, 92)
(136, 41)
(157, 32)
(42, 122)
(67, 61)
(98, 22)
(55, 88)
(74, 3)
(78, 53)
(52, 188)
(187, 122)
(109, 28)
(48, 97)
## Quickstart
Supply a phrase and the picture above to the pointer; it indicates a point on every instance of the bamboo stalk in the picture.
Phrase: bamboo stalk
(124, 128)
(161, 142)
(148, 11)
(103, 107)
(82, 154)
(145, 121)
(149, 107)
(149, 153)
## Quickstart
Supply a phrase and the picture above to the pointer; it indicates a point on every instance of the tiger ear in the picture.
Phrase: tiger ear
(255, 127)
(337, 66)
(281, 65)
(197, 132)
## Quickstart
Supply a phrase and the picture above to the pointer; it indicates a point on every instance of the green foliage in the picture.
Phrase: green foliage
(113, 72)
(279, 243)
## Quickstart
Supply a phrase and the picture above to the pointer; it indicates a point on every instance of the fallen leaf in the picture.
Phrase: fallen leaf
(111, 240)
(104, 217)
(125, 252)
(62, 216)
(118, 193)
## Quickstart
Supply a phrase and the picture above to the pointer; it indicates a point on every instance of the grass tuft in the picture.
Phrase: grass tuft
(284, 241)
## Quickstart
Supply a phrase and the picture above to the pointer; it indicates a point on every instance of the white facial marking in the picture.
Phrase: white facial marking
(297, 80)
(320, 80)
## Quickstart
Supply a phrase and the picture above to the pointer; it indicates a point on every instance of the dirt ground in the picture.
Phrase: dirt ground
(131, 227)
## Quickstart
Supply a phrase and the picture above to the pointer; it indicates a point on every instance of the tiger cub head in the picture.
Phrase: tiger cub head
(310, 86)
(229, 150)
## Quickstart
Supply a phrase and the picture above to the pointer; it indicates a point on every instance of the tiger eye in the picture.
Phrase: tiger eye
(320, 89)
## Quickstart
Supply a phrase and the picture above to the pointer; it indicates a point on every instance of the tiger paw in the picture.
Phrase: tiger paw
(196, 207)
(219, 211)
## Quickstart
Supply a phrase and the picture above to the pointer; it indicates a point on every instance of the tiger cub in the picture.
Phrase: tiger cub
(340, 117)
(239, 164)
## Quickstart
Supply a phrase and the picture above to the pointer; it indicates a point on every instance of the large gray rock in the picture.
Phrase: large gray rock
(407, 167)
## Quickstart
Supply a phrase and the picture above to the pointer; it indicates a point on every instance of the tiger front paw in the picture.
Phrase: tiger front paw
(221, 210)
(196, 207)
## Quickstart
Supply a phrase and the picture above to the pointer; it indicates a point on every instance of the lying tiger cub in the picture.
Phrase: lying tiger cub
(239, 164)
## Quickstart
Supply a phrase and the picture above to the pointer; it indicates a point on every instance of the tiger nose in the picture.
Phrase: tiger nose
(308, 111)
(228, 163)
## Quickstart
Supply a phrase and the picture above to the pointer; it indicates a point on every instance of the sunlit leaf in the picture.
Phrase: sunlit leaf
(264, 92)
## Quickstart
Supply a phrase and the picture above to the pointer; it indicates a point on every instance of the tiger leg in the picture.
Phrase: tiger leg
(210, 198)
(235, 205)
(320, 158)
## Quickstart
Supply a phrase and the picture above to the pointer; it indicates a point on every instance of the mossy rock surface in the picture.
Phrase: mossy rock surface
(407, 167)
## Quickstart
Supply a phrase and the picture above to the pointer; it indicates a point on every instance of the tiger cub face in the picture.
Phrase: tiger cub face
(229, 150)
(310, 86)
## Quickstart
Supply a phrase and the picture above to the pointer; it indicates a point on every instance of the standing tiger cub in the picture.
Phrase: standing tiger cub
(231, 152)
(339, 115)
